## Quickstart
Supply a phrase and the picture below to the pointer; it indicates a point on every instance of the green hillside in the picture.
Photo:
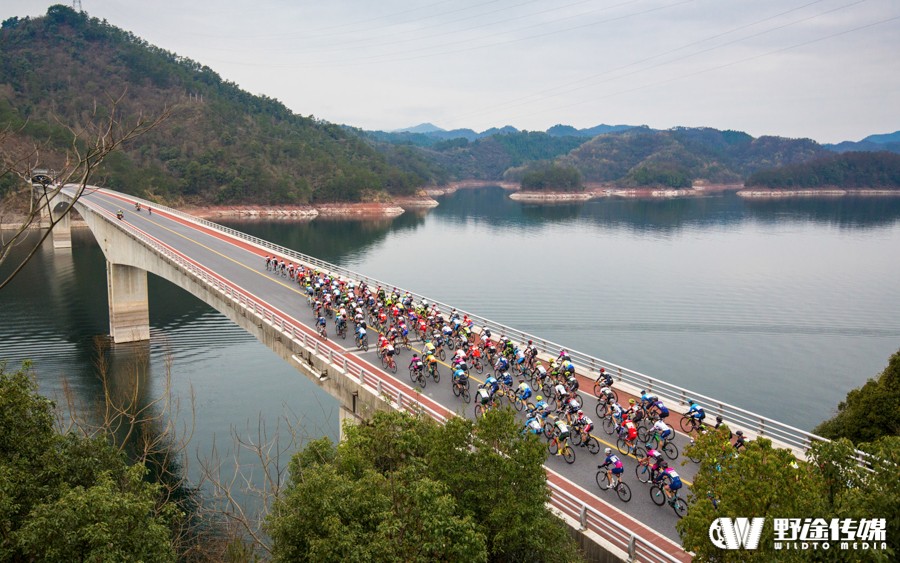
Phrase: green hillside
(220, 145)
(850, 170)
(680, 156)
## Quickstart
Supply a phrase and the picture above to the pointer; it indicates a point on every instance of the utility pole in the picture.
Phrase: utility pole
(76, 5)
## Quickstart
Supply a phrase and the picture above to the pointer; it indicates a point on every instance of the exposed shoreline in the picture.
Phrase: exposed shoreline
(814, 192)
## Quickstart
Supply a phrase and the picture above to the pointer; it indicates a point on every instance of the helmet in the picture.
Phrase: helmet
(643, 391)
(530, 342)
(539, 398)
(690, 401)
(607, 451)
(718, 419)
(580, 412)
(663, 464)
(631, 401)
(659, 457)
(740, 432)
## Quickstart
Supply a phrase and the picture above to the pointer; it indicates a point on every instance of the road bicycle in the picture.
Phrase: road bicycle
(362, 343)
(564, 449)
(462, 390)
(388, 362)
(658, 495)
(416, 375)
(622, 489)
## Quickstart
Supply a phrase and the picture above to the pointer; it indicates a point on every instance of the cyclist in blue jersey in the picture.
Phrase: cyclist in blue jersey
(492, 382)
(533, 425)
(674, 480)
(501, 365)
(541, 406)
(524, 390)
(616, 470)
(696, 411)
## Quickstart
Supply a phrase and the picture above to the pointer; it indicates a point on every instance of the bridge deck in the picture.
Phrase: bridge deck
(241, 264)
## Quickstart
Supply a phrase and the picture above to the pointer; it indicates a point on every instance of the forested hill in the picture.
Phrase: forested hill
(680, 156)
(850, 170)
(220, 145)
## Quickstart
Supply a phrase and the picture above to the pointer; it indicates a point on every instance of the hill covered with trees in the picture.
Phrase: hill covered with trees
(220, 145)
(849, 170)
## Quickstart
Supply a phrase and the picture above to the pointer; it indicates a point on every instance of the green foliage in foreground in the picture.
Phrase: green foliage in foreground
(404, 488)
(762, 481)
(70, 498)
(869, 412)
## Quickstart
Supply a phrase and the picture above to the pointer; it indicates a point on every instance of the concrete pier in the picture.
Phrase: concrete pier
(129, 311)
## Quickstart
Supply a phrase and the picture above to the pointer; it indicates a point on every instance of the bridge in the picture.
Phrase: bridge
(226, 269)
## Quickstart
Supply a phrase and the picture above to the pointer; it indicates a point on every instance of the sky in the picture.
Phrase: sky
(823, 69)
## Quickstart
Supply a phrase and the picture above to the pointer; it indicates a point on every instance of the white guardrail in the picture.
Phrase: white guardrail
(591, 519)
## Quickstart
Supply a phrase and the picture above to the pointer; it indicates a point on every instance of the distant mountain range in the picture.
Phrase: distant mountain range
(887, 142)
(428, 133)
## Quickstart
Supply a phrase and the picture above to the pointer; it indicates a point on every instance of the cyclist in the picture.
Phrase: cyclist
(740, 442)
(501, 365)
(663, 429)
(492, 382)
(604, 379)
(607, 396)
(320, 322)
(628, 431)
(562, 434)
(653, 459)
(432, 363)
(484, 396)
(341, 322)
(661, 410)
(584, 425)
(696, 412)
(428, 348)
(524, 390)
(460, 378)
(674, 480)
(533, 424)
(572, 404)
(616, 469)
(416, 364)
(560, 392)
(389, 352)
(541, 406)
(361, 331)
(616, 411)
(571, 382)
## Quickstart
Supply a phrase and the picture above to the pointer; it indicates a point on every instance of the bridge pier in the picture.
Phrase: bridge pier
(62, 232)
(129, 310)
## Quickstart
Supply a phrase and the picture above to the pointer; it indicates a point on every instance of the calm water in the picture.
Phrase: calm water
(778, 307)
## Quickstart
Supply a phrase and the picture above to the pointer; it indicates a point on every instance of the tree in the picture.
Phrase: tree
(70, 497)
(402, 487)
(105, 132)
(869, 412)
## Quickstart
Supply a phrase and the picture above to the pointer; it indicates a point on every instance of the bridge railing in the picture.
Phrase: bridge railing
(403, 397)
(736, 417)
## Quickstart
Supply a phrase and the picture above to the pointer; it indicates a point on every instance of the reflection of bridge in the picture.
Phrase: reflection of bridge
(225, 269)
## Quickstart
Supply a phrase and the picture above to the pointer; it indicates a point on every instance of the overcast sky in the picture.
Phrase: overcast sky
(824, 69)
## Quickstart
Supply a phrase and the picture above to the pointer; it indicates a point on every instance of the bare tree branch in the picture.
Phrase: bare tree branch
(90, 145)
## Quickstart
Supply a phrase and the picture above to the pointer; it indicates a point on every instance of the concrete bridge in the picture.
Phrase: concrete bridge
(225, 269)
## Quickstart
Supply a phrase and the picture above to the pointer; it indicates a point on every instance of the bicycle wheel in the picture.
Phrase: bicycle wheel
(464, 393)
(657, 495)
(593, 445)
(640, 452)
(441, 354)
(597, 388)
(393, 366)
(365, 344)
(548, 429)
(670, 449)
(412, 375)
(436, 375)
(687, 424)
(642, 472)
(457, 390)
(600, 409)
(479, 367)
(575, 439)
(680, 507)
(624, 491)
(643, 434)
(479, 410)
(568, 454)
(553, 447)
(608, 425)
(602, 479)
(693, 456)
(519, 404)
(420, 378)
(622, 446)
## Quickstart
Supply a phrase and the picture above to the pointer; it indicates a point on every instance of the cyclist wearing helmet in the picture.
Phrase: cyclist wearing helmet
(739, 443)
(524, 390)
(616, 469)
(584, 426)
(696, 411)
(541, 406)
